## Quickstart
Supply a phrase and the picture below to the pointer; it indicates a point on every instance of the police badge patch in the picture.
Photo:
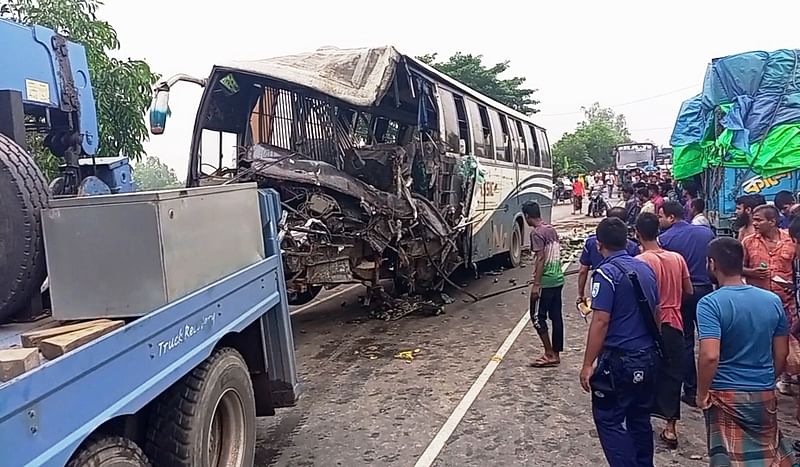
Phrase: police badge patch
(595, 289)
(638, 376)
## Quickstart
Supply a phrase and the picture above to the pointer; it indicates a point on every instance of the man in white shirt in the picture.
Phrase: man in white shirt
(697, 209)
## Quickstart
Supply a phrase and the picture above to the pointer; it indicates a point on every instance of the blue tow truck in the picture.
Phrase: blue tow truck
(182, 378)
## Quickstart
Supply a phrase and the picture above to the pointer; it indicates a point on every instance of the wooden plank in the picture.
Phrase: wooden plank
(59, 345)
(32, 338)
(14, 362)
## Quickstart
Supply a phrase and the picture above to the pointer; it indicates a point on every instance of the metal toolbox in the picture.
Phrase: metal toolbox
(126, 255)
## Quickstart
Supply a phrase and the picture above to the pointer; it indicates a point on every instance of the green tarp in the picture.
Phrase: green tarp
(747, 115)
(778, 153)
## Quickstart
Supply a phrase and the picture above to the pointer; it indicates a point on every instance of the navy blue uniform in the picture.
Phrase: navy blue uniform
(691, 242)
(590, 256)
(623, 385)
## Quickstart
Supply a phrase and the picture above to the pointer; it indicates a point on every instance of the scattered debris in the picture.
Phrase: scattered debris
(494, 273)
(371, 352)
(447, 299)
(407, 355)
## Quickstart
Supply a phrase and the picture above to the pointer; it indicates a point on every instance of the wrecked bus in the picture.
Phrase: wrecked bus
(386, 168)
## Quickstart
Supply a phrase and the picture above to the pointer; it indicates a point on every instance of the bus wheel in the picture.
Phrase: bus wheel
(109, 451)
(514, 255)
(208, 418)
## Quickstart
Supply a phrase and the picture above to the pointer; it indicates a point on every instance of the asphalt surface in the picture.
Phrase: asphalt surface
(362, 406)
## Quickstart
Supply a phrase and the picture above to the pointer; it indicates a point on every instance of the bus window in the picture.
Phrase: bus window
(512, 132)
(523, 143)
(449, 116)
(481, 129)
(500, 127)
(463, 125)
(534, 152)
(545, 148)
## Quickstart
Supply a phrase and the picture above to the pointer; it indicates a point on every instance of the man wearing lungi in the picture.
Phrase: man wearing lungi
(743, 346)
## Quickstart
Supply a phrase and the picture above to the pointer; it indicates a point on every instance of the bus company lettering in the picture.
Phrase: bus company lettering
(498, 235)
(757, 184)
(186, 332)
(489, 188)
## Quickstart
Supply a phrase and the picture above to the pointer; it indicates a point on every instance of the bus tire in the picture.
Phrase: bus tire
(107, 451)
(206, 419)
(514, 255)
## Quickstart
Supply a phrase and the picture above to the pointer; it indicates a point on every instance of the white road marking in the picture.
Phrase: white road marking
(323, 300)
(446, 431)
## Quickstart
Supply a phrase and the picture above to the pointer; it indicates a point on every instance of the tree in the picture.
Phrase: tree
(152, 174)
(470, 70)
(591, 145)
(122, 88)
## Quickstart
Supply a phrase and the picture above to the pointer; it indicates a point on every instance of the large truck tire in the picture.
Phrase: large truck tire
(109, 451)
(206, 419)
(23, 195)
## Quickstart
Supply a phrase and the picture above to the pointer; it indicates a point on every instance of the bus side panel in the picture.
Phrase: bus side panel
(500, 202)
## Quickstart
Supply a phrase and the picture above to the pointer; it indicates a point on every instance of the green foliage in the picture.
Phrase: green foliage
(152, 174)
(591, 145)
(470, 70)
(45, 160)
(122, 88)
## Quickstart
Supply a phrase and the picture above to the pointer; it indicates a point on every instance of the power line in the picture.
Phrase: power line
(644, 99)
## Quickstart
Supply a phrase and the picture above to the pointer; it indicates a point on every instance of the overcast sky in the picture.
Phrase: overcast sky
(642, 58)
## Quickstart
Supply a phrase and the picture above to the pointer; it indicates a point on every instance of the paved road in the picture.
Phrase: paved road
(362, 406)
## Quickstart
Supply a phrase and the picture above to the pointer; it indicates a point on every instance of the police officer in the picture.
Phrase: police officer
(623, 345)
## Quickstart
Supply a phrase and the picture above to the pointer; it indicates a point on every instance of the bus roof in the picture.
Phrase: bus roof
(359, 76)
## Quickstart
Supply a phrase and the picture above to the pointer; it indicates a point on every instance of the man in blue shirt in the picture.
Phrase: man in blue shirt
(591, 257)
(623, 346)
(691, 242)
(743, 347)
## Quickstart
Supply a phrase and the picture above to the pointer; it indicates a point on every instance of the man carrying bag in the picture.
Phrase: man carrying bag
(624, 341)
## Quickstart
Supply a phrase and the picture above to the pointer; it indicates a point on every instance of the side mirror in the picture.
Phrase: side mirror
(160, 109)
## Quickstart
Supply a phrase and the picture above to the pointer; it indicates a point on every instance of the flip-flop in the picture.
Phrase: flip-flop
(544, 363)
(672, 443)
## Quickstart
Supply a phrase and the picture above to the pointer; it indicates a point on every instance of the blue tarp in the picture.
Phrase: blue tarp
(761, 89)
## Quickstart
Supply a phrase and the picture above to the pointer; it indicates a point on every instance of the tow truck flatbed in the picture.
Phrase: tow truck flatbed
(108, 385)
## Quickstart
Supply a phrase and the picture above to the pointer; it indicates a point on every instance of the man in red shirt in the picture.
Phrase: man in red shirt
(674, 284)
(577, 195)
(655, 196)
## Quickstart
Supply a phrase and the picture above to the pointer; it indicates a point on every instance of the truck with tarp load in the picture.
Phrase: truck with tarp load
(741, 134)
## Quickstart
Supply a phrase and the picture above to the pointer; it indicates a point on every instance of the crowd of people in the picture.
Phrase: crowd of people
(660, 280)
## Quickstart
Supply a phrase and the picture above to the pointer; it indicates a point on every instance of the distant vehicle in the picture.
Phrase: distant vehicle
(635, 156)
(597, 204)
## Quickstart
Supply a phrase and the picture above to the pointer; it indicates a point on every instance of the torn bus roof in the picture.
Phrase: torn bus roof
(360, 77)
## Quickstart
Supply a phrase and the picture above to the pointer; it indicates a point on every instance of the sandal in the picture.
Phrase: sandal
(544, 362)
(672, 443)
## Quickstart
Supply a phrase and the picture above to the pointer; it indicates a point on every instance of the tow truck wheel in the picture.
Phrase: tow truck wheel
(514, 255)
(23, 194)
(109, 451)
(206, 419)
